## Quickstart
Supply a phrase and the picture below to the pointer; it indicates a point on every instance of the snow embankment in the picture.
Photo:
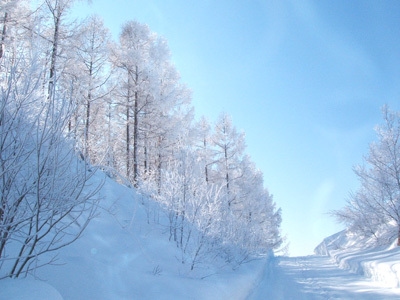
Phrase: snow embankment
(364, 257)
(27, 289)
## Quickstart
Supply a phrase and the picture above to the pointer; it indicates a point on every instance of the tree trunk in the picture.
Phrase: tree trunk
(3, 34)
(89, 100)
(398, 236)
(135, 141)
(206, 167)
(159, 168)
(87, 123)
(127, 140)
(53, 62)
(136, 133)
(227, 176)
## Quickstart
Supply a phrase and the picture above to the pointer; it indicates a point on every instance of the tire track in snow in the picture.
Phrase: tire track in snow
(275, 284)
(305, 267)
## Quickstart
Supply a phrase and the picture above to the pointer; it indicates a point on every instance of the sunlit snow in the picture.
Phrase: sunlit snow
(121, 256)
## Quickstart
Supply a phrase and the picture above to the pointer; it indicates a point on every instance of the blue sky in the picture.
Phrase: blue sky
(304, 79)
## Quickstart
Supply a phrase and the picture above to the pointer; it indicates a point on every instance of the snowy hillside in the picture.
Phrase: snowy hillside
(364, 256)
(121, 256)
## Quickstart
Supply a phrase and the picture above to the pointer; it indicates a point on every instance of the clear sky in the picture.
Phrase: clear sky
(304, 79)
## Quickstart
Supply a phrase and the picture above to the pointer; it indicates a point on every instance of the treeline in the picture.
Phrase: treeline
(123, 108)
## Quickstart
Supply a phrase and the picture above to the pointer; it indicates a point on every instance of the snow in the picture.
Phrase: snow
(316, 277)
(363, 256)
(20, 289)
(122, 256)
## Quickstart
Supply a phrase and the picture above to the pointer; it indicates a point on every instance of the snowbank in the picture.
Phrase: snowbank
(27, 289)
(362, 256)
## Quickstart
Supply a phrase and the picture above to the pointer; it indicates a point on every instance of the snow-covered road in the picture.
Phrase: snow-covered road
(315, 277)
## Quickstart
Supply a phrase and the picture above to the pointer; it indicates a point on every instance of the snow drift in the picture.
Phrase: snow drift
(377, 258)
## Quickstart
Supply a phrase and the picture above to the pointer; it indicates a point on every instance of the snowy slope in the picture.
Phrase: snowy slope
(363, 256)
(121, 256)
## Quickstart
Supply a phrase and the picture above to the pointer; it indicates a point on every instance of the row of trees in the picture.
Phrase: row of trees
(375, 207)
(216, 198)
(122, 106)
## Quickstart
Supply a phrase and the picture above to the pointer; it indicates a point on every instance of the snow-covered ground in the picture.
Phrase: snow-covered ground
(21, 289)
(316, 277)
(363, 256)
(121, 256)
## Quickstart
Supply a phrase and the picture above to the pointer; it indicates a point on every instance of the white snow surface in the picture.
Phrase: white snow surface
(316, 277)
(121, 256)
(20, 289)
(379, 262)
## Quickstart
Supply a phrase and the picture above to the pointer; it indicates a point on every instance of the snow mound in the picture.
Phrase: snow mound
(378, 261)
(24, 289)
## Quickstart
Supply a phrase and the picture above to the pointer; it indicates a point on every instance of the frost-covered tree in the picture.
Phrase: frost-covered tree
(202, 143)
(228, 145)
(55, 11)
(195, 192)
(377, 201)
(256, 211)
(14, 27)
(153, 104)
(68, 90)
(167, 117)
(132, 60)
(14, 20)
(92, 71)
(46, 201)
(193, 208)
